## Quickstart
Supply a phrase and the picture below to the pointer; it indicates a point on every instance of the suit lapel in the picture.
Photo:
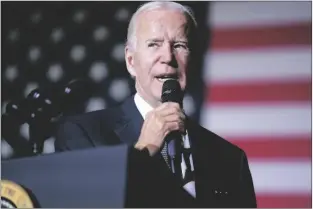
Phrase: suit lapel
(128, 125)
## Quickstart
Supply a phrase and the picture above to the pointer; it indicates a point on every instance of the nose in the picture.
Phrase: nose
(167, 53)
(167, 56)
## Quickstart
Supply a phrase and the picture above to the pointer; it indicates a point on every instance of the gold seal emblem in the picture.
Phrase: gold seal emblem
(14, 196)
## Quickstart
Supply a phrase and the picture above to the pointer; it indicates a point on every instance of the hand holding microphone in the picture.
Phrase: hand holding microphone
(158, 124)
(166, 119)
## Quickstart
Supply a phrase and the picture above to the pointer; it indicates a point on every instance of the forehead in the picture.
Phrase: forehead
(162, 22)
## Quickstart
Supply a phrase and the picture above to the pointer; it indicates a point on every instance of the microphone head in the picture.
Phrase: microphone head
(39, 97)
(171, 92)
(16, 110)
(75, 92)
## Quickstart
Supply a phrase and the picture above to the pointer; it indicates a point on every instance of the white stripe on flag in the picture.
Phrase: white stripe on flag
(234, 14)
(258, 119)
(281, 177)
(263, 64)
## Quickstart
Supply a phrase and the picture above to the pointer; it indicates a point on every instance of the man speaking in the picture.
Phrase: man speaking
(173, 162)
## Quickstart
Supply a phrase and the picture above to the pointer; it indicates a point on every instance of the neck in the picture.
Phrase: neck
(153, 103)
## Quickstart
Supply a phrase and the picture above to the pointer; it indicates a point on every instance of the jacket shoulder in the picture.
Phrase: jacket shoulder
(87, 129)
(222, 144)
(93, 118)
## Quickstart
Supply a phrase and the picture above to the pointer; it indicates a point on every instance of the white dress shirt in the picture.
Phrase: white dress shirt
(144, 108)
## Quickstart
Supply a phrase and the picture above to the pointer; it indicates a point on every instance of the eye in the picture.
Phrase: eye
(180, 46)
(152, 44)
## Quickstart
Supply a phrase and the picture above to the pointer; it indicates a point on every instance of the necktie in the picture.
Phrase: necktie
(165, 154)
(171, 153)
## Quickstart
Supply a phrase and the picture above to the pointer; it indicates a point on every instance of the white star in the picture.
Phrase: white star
(95, 103)
(4, 105)
(48, 146)
(101, 33)
(57, 34)
(98, 71)
(79, 16)
(29, 87)
(36, 17)
(6, 150)
(55, 72)
(34, 53)
(24, 130)
(78, 53)
(118, 52)
(11, 73)
(14, 35)
(189, 105)
(119, 89)
(122, 14)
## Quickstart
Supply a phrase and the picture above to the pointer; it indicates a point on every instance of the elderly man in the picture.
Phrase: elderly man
(212, 171)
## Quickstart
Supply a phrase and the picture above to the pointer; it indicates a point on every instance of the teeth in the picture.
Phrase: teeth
(165, 79)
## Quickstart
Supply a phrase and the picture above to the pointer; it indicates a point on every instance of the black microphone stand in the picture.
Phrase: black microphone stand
(38, 126)
(51, 106)
(38, 110)
(40, 120)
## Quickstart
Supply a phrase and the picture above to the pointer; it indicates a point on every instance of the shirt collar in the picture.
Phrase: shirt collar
(143, 106)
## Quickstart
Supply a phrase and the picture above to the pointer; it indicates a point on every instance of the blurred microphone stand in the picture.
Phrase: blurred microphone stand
(41, 109)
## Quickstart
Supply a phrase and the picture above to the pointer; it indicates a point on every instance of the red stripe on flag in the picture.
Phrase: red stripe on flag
(262, 36)
(284, 201)
(266, 91)
(275, 147)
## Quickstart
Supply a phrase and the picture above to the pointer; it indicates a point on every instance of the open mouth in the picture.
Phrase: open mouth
(163, 78)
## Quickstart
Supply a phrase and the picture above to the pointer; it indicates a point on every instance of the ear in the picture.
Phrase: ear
(129, 58)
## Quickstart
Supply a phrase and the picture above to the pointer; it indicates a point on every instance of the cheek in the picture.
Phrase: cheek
(183, 64)
(144, 69)
(145, 62)
(182, 61)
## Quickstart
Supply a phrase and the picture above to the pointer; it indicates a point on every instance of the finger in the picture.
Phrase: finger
(177, 117)
(171, 126)
(174, 126)
(172, 118)
(170, 111)
(168, 105)
(163, 111)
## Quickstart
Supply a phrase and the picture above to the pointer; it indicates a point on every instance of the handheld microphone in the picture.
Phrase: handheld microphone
(171, 92)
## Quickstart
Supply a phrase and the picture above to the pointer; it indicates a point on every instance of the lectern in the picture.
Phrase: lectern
(73, 179)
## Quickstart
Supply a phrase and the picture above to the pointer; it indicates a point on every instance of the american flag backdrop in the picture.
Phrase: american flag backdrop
(251, 83)
(258, 76)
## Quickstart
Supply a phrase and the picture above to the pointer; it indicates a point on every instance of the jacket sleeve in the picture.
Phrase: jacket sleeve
(71, 136)
(247, 194)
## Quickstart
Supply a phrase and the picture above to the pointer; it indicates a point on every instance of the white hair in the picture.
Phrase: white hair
(131, 33)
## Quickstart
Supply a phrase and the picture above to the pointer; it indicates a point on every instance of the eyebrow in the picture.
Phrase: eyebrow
(162, 40)
(154, 40)
(181, 41)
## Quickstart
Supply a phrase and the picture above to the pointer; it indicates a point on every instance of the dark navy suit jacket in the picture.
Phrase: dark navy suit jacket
(222, 173)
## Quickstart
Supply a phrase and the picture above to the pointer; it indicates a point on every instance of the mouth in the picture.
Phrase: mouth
(164, 77)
